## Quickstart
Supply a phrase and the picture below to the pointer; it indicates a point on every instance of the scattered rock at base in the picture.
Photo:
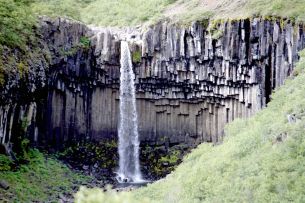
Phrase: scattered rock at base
(4, 185)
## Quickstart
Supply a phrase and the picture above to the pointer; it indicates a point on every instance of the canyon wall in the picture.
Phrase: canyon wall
(190, 81)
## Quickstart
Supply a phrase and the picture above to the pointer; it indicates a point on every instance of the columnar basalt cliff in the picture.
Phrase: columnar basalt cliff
(190, 81)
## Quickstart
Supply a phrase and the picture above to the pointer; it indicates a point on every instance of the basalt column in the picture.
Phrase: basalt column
(189, 81)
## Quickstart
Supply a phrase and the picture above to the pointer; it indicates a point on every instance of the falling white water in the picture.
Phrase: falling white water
(129, 166)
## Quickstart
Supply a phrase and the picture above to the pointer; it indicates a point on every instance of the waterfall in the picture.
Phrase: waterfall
(129, 166)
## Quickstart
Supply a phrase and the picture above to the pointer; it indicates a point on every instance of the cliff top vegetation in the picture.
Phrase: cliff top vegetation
(17, 17)
(136, 12)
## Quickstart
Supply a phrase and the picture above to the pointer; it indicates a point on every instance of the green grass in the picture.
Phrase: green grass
(54, 8)
(292, 9)
(5, 163)
(262, 159)
(16, 24)
(236, 9)
(135, 12)
(18, 39)
(41, 180)
(104, 12)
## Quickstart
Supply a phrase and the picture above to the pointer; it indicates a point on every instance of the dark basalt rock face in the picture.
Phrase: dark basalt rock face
(190, 81)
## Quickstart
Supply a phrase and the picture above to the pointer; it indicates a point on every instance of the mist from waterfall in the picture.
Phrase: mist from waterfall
(129, 166)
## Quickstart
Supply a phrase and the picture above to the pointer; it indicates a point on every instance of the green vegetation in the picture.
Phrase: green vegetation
(235, 9)
(216, 34)
(41, 180)
(134, 12)
(171, 158)
(104, 12)
(160, 161)
(2, 77)
(21, 144)
(23, 69)
(292, 9)
(137, 56)
(16, 24)
(64, 8)
(5, 163)
(262, 159)
(79, 154)
(33, 176)
(84, 43)
(19, 42)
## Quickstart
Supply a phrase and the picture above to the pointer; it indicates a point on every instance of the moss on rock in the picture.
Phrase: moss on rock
(136, 56)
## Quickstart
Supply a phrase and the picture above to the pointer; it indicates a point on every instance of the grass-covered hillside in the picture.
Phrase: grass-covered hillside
(42, 179)
(16, 24)
(19, 42)
(189, 10)
(135, 12)
(262, 159)
(104, 12)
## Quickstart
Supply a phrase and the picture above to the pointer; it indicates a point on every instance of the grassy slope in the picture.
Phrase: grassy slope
(104, 12)
(16, 23)
(235, 9)
(17, 38)
(261, 160)
(42, 180)
(134, 12)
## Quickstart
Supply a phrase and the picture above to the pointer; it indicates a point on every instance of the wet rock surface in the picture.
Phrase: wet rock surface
(4, 185)
(100, 160)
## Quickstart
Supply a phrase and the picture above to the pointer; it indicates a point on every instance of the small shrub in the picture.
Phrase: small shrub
(22, 69)
(5, 163)
(85, 42)
(217, 34)
(172, 158)
(136, 56)
(205, 22)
